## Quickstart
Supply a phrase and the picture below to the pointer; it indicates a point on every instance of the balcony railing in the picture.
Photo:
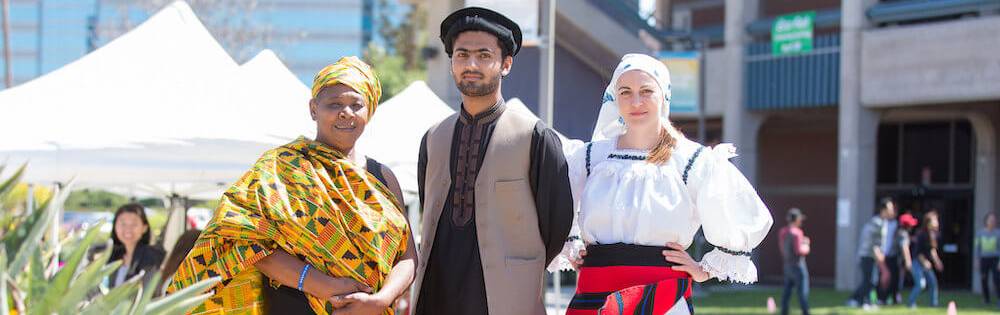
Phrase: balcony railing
(808, 80)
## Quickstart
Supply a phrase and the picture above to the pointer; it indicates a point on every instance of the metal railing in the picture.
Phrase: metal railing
(807, 80)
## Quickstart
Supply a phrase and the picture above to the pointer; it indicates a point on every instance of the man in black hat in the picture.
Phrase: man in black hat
(494, 187)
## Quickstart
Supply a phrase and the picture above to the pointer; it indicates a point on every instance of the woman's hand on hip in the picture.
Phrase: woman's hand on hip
(676, 254)
(577, 263)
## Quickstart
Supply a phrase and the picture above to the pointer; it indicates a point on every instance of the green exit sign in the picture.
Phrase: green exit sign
(792, 33)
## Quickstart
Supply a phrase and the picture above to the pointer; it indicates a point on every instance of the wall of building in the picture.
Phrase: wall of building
(772, 8)
(798, 157)
(797, 167)
(703, 12)
(578, 90)
(956, 61)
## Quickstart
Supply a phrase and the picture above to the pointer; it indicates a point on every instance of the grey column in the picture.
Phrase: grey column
(858, 128)
(439, 77)
(983, 126)
(739, 125)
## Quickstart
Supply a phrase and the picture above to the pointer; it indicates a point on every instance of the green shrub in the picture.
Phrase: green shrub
(32, 283)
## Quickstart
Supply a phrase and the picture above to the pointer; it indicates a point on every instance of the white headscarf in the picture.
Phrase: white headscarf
(609, 123)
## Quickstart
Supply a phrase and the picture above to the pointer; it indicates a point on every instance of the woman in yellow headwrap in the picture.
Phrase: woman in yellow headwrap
(309, 222)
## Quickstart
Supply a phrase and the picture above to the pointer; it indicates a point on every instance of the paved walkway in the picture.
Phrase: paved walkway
(557, 306)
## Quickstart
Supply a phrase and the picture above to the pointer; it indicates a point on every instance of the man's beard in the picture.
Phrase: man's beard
(477, 89)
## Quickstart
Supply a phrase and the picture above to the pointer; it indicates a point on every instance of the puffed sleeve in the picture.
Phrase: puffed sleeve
(576, 160)
(733, 217)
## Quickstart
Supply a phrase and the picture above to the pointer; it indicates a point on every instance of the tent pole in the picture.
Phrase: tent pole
(8, 77)
(29, 205)
(53, 233)
(176, 222)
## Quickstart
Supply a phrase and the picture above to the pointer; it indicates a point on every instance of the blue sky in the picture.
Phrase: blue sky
(331, 28)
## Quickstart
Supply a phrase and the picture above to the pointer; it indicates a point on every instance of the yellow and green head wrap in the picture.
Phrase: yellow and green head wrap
(352, 72)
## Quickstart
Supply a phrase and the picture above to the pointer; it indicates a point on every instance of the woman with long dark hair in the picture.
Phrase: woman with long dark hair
(926, 259)
(130, 243)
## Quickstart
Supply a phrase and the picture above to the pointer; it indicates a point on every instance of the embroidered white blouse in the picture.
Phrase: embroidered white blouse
(624, 199)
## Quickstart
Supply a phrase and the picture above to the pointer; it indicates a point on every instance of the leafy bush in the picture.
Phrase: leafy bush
(32, 282)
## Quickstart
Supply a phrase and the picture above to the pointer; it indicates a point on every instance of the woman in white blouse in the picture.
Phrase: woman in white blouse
(642, 190)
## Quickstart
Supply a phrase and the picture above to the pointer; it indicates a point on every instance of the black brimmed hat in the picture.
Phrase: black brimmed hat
(481, 19)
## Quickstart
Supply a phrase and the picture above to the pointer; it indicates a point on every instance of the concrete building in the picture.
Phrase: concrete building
(897, 98)
(879, 108)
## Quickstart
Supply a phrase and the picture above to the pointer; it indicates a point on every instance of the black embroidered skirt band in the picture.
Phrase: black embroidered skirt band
(629, 279)
(619, 254)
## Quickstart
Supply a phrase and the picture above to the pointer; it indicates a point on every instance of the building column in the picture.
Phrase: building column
(985, 170)
(740, 126)
(858, 127)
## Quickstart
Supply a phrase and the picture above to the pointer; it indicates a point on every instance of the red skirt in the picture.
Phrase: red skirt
(628, 279)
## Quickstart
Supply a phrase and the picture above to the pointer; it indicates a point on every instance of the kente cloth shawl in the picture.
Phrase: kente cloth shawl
(354, 73)
(309, 200)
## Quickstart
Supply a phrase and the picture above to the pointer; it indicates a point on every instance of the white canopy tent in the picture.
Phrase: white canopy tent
(393, 135)
(568, 145)
(155, 75)
(268, 101)
(160, 110)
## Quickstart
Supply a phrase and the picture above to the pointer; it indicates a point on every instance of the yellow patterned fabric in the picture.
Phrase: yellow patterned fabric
(310, 201)
(352, 72)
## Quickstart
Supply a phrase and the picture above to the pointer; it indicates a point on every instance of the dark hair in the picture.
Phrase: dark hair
(884, 203)
(793, 215)
(504, 51)
(118, 248)
(931, 235)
